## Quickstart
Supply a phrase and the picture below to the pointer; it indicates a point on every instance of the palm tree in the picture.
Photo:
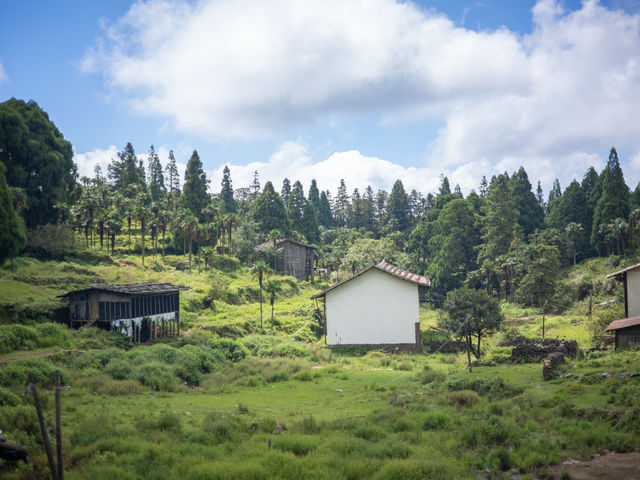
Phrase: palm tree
(142, 213)
(619, 229)
(113, 225)
(162, 221)
(189, 226)
(259, 270)
(573, 231)
(272, 287)
(274, 235)
(634, 228)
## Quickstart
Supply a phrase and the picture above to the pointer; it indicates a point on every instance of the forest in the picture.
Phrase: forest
(249, 389)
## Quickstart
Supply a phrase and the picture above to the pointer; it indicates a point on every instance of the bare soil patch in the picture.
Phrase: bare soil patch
(610, 466)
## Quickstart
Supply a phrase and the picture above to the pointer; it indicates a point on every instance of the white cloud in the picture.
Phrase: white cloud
(3, 75)
(552, 100)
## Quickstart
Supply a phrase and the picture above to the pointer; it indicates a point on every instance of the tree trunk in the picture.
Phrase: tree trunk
(260, 282)
(469, 352)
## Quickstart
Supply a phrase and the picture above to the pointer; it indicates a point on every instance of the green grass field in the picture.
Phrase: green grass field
(229, 400)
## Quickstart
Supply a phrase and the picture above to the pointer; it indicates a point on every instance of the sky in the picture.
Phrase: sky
(367, 90)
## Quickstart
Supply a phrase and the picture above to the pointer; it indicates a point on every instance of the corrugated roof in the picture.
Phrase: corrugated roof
(620, 272)
(387, 268)
(269, 243)
(133, 288)
(623, 323)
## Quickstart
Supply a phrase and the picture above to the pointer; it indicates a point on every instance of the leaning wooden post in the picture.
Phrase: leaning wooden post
(43, 428)
(59, 428)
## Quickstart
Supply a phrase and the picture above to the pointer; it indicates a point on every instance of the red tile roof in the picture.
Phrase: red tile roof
(387, 268)
(623, 323)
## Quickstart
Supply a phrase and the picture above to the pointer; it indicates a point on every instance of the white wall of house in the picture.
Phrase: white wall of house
(374, 308)
(633, 293)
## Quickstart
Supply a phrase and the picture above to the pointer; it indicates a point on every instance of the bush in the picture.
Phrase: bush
(115, 388)
(493, 387)
(119, 368)
(221, 428)
(269, 346)
(231, 349)
(299, 445)
(156, 376)
(51, 242)
(164, 422)
(7, 398)
(463, 398)
(51, 334)
(17, 337)
(15, 374)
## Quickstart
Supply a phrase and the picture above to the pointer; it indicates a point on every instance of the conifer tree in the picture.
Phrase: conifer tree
(614, 199)
(398, 207)
(381, 209)
(484, 187)
(124, 170)
(457, 191)
(269, 212)
(314, 194)
(530, 214)
(356, 217)
(286, 190)
(369, 210)
(554, 194)
(255, 186)
(157, 189)
(310, 223)
(540, 195)
(295, 207)
(226, 192)
(324, 211)
(499, 221)
(445, 189)
(172, 174)
(341, 205)
(194, 192)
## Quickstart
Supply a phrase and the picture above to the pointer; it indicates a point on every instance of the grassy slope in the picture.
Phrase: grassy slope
(328, 415)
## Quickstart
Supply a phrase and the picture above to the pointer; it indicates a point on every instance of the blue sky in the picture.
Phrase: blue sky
(369, 91)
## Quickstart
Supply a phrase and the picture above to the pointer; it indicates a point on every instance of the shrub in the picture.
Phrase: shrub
(15, 374)
(17, 337)
(119, 368)
(417, 470)
(156, 376)
(7, 398)
(299, 445)
(115, 388)
(231, 349)
(51, 334)
(463, 398)
(499, 459)
(164, 422)
(269, 346)
(221, 428)
(494, 387)
(434, 421)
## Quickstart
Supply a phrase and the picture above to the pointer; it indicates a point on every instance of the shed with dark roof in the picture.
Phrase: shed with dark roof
(377, 307)
(140, 310)
(290, 257)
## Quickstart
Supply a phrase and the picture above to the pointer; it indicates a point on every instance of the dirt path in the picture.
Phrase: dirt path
(40, 352)
(611, 466)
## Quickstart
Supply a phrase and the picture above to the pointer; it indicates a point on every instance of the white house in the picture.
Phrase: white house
(627, 330)
(378, 307)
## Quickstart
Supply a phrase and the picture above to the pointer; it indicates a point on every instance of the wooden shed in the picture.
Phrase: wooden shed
(627, 330)
(296, 259)
(142, 311)
(377, 307)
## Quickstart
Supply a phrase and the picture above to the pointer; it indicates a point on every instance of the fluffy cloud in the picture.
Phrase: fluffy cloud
(551, 100)
(3, 75)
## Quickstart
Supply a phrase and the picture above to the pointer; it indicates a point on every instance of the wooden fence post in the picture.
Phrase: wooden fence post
(43, 428)
(59, 428)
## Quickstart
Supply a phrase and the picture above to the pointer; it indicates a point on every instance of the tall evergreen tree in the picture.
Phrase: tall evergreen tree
(285, 191)
(530, 214)
(194, 192)
(157, 189)
(310, 223)
(37, 159)
(255, 186)
(295, 207)
(12, 236)
(324, 211)
(341, 205)
(369, 210)
(457, 191)
(499, 220)
(314, 194)
(484, 187)
(554, 194)
(382, 197)
(269, 212)
(540, 195)
(173, 178)
(445, 188)
(228, 203)
(398, 207)
(124, 170)
(614, 199)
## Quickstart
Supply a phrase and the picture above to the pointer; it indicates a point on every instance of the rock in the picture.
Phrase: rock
(550, 363)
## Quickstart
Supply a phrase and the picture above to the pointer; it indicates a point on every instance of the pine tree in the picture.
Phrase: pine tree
(499, 221)
(255, 186)
(341, 205)
(172, 174)
(286, 190)
(457, 191)
(445, 189)
(324, 211)
(540, 196)
(484, 187)
(310, 223)
(554, 194)
(398, 207)
(381, 209)
(356, 217)
(269, 212)
(124, 170)
(614, 199)
(228, 203)
(530, 214)
(157, 189)
(194, 192)
(295, 207)
(369, 210)
(314, 194)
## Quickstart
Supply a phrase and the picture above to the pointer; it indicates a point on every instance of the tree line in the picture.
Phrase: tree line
(504, 238)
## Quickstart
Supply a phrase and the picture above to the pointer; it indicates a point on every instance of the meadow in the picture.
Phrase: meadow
(230, 399)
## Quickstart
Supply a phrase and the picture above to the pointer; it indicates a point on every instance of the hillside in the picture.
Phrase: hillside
(228, 400)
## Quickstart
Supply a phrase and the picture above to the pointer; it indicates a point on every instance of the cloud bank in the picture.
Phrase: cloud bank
(554, 100)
